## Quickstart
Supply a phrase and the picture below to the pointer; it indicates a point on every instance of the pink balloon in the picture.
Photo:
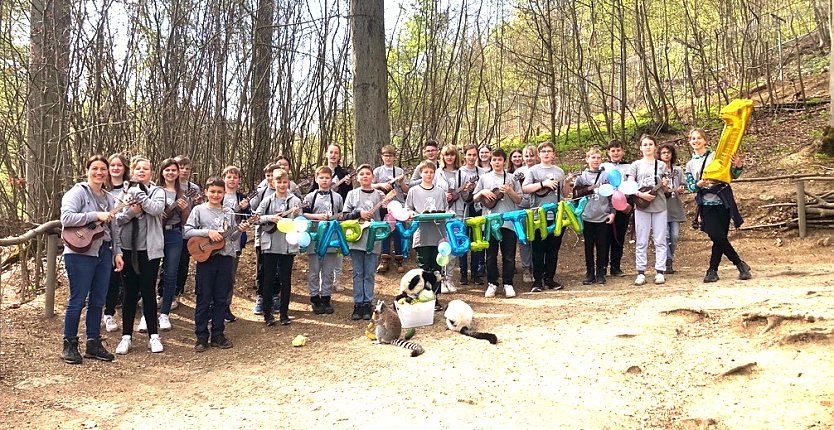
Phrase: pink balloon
(389, 218)
(618, 200)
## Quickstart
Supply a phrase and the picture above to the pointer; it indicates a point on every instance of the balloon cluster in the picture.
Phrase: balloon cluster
(296, 230)
(444, 252)
(397, 211)
(618, 189)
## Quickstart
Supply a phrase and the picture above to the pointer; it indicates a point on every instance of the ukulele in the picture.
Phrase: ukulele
(547, 190)
(580, 191)
(338, 183)
(79, 239)
(201, 248)
(388, 197)
(456, 192)
(191, 193)
(642, 203)
(248, 198)
(489, 204)
(271, 227)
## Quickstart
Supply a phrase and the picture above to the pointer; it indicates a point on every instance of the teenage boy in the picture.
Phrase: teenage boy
(265, 190)
(214, 276)
(185, 258)
(469, 173)
(334, 157)
(502, 189)
(423, 198)
(431, 153)
(546, 183)
(234, 199)
(616, 241)
(322, 204)
(383, 175)
(598, 217)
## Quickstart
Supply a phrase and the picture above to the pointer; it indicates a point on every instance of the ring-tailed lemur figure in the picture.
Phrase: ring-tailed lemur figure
(459, 318)
(389, 329)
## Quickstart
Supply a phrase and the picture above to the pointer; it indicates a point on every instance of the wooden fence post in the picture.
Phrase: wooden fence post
(800, 205)
(52, 243)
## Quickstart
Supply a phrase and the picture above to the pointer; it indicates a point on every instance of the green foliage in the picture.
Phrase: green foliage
(816, 65)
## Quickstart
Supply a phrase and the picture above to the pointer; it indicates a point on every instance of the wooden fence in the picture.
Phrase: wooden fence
(51, 230)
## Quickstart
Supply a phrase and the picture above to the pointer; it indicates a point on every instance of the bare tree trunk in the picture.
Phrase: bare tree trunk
(261, 88)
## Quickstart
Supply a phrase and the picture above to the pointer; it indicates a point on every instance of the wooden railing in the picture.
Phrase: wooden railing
(52, 231)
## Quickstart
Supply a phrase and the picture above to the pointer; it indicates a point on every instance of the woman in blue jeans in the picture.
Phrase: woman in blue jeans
(173, 217)
(89, 267)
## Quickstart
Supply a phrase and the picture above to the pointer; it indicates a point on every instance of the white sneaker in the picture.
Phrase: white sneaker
(143, 325)
(110, 323)
(155, 344)
(640, 280)
(659, 278)
(164, 322)
(124, 345)
(509, 291)
(490, 291)
(338, 287)
(527, 276)
(175, 303)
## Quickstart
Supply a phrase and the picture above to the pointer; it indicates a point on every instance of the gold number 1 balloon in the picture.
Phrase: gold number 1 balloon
(735, 116)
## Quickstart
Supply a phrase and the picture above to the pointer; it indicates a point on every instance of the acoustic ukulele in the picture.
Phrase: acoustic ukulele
(489, 204)
(643, 203)
(191, 193)
(456, 192)
(79, 239)
(201, 248)
(271, 227)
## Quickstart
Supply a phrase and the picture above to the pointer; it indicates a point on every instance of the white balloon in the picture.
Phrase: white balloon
(401, 214)
(394, 205)
(301, 224)
(628, 187)
(605, 190)
(292, 237)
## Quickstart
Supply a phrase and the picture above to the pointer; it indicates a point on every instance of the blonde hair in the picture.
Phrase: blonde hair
(448, 150)
(279, 173)
(592, 151)
(324, 169)
(426, 165)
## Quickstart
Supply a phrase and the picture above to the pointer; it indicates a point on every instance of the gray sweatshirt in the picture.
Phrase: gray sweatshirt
(362, 200)
(422, 200)
(79, 206)
(203, 218)
(275, 242)
(598, 207)
(150, 223)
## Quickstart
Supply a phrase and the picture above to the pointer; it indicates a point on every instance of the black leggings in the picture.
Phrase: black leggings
(115, 292)
(137, 284)
(716, 219)
(277, 274)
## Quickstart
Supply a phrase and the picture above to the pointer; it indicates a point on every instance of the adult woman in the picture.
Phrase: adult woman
(115, 291)
(173, 218)
(716, 205)
(89, 270)
(143, 243)
(674, 205)
(650, 173)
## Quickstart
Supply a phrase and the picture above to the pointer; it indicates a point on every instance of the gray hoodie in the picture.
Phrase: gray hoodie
(150, 223)
(203, 218)
(79, 207)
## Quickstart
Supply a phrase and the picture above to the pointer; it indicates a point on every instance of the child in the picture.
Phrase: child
(176, 211)
(383, 175)
(431, 151)
(214, 278)
(485, 156)
(456, 184)
(674, 205)
(185, 182)
(234, 199)
(469, 173)
(498, 179)
(363, 204)
(426, 197)
(716, 205)
(277, 255)
(334, 157)
(530, 159)
(597, 217)
(322, 204)
(618, 228)
(119, 176)
(546, 183)
(516, 160)
(650, 172)
(265, 189)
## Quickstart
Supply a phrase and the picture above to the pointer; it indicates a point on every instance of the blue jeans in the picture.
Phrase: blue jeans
(672, 233)
(170, 265)
(364, 270)
(398, 243)
(88, 277)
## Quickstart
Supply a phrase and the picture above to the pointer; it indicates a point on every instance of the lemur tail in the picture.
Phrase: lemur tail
(415, 348)
(479, 335)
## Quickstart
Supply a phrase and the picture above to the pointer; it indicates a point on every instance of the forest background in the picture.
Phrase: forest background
(240, 82)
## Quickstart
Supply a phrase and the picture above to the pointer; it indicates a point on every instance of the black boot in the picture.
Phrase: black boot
(711, 276)
(357, 311)
(318, 307)
(600, 275)
(328, 308)
(669, 268)
(744, 271)
(589, 277)
(96, 350)
(285, 319)
(268, 318)
(366, 312)
(70, 353)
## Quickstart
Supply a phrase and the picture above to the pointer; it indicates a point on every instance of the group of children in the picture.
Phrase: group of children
(155, 229)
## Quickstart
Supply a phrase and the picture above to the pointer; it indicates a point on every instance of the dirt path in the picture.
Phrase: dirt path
(600, 357)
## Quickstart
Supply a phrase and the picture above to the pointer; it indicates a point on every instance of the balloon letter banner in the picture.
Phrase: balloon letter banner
(458, 239)
(565, 217)
(493, 230)
(519, 220)
(351, 230)
(536, 222)
(314, 237)
(478, 243)
(327, 229)
(378, 230)
(554, 209)
(577, 212)
(405, 234)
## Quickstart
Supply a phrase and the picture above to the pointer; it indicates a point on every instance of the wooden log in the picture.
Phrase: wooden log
(805, 176)
(47, 227)
(52, 244)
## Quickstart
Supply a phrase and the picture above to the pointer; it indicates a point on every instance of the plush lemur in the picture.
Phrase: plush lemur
(459, 318)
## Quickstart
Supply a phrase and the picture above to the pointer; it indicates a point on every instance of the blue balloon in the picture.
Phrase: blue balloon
(615, 178)
(406, 234)
(444, 248)
(519, 220)
(458, 239)
(327, 239)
